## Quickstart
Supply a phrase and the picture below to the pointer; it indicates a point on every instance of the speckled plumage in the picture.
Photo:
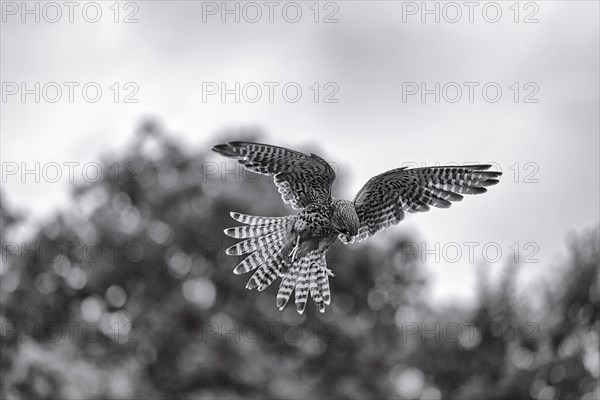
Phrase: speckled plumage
(294, 246)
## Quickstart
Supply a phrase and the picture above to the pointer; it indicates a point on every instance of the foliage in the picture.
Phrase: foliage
(130, 295)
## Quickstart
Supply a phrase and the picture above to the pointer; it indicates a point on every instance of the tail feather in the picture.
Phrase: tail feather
(267, 273)
(254, 243)
(314, 287)
(254, 220)
(252, 262)
(323, 284)
(312, 279)
(286, 287)
(250, 231)
(259, 257)
(268, 242)
(302, 289)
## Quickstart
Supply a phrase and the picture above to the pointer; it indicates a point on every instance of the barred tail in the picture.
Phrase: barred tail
(307, 275)
(266, 239)
(254, 220)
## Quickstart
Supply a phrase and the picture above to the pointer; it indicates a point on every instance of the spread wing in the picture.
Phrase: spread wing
(385, 198)
(301, 179)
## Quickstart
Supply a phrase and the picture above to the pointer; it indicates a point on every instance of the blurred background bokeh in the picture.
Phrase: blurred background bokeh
(116, 285)
(129, 295)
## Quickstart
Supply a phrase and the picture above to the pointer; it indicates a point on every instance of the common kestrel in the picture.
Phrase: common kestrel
(294, 246)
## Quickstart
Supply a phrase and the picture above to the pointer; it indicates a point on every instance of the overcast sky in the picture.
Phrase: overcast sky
(373, 61)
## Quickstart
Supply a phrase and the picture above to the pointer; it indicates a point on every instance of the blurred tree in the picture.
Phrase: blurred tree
(130, 295)
(552, 356)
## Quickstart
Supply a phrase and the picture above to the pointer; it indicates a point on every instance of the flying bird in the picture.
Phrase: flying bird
(293, 247)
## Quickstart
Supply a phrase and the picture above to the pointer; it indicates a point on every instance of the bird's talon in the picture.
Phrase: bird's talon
(294, 251)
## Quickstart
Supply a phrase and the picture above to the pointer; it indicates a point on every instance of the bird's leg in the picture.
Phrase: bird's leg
(294, 251)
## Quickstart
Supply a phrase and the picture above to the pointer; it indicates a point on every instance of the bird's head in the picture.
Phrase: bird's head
(344, 219)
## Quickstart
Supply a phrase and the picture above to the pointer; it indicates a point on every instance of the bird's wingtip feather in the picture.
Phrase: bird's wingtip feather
(219, 148)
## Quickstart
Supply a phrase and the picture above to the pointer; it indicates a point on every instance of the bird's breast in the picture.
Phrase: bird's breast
(315, 224)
